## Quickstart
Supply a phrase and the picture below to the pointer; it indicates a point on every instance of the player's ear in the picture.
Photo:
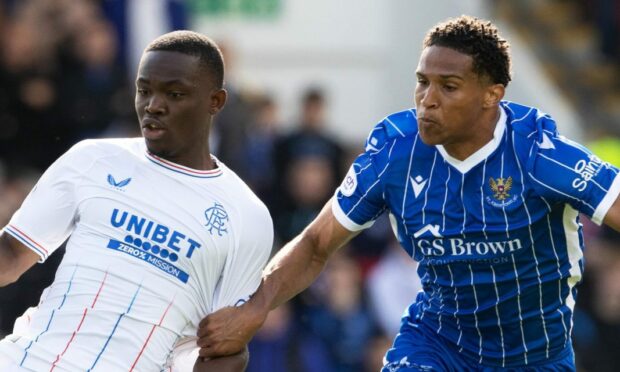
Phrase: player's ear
(217, 100)
(494, 94)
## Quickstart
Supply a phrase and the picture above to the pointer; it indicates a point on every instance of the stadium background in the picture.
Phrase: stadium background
(307, 80)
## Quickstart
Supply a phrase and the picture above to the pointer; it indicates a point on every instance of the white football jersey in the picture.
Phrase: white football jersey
(153, 247)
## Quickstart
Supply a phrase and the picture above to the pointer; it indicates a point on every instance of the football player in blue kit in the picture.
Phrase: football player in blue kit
(484, 193)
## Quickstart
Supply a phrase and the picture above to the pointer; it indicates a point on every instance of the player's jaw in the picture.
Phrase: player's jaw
(157, 136)
(431, 130)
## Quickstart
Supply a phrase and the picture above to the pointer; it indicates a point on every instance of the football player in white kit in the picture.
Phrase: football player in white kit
(160, 233)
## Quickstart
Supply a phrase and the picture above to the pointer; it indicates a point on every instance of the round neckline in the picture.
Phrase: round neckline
(178, 168)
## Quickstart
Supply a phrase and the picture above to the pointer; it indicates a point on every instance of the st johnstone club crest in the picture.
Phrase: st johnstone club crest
(501, 187)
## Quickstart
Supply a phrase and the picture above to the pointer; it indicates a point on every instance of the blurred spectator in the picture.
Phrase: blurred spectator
(372, 244)
(279, 346)
(57, 79)
(310, 137)
(340, 319)
(597, 316)
(31, 132)
(98, 96)
(392, 286)
(229, 135)
(308, 168)
(259, 156)
(308, 186)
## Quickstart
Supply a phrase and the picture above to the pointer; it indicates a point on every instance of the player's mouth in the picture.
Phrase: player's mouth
(152, 129)
(427, 122)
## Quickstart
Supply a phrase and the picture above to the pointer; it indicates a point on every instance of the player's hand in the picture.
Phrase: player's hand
(228, 330)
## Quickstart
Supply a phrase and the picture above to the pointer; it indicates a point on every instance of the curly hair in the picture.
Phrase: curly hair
(193, 44)
(479, 39)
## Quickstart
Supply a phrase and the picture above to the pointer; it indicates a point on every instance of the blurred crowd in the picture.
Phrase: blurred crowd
(62, 80)
(605, 15)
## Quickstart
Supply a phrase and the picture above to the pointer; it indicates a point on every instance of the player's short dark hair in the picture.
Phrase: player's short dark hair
(193, 44)
(479, 39)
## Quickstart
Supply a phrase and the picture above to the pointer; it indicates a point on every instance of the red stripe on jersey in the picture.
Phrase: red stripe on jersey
(184, 169)
(151, 334)
(70, 340)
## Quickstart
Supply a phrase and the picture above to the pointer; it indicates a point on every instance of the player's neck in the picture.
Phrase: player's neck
(198, 160)
(479, 135)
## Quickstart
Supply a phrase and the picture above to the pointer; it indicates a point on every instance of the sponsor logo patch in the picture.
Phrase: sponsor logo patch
(349, 184)
(586, 170)
(118, 184)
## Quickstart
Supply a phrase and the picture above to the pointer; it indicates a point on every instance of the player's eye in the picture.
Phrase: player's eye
(176, 94)
(450, 88)
(142, 91)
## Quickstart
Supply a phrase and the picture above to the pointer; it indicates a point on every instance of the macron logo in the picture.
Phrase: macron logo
(418, 184)
(119, 184)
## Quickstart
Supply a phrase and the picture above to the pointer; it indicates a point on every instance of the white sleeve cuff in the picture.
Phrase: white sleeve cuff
(344, 220)
(27, 241)
(607, 202)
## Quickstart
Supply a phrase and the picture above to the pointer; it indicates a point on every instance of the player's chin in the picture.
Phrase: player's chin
(429, 139)
(156, 148)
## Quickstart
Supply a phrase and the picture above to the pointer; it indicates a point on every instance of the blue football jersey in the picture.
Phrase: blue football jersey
(497, 236)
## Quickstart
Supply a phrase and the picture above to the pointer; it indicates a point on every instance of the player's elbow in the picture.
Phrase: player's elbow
(15, 259)
(314, 240)
(232, 363)
(9, 272)
(7, 276)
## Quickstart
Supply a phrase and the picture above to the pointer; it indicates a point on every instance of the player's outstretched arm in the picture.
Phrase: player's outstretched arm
(289, 272)
(15, 259)
(612, 218)
(232, 363)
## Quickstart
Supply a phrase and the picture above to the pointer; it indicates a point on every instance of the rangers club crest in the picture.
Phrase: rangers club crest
(501, 187)
(216, 219)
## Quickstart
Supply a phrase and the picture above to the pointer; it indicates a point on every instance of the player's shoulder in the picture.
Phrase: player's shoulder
(537, 140)
(86, 153)
(108, 146)
(253, 215)
(398, 125)
(528, 123)
(242, 196)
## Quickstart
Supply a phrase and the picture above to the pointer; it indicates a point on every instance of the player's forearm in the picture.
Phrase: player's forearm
(4, 264)
(300, 262)
(15, 259)
(233, 363)
(612, 219)
(292, 270)
(7, 262)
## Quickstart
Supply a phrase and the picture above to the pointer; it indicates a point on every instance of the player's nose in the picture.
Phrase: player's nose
(428, 97)
(155, 105)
